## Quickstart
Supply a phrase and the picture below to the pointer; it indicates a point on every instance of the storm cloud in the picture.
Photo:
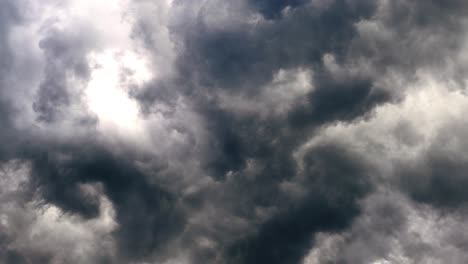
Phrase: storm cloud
(247, 131)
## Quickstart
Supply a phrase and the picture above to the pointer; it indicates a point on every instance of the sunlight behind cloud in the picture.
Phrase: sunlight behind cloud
(107, 99)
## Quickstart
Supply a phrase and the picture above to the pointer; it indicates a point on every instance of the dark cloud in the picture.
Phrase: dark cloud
(242, 60)
(408, 37)
(438, 176)
(338, 100)
(148, 216)
(247, 57)
(438, 180)
(334, 183)
(66, 56)
(273, 9)
(245, 175)
(15, 257)
(10, 16)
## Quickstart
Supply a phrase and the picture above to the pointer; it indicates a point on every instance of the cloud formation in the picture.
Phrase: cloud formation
(247, 131)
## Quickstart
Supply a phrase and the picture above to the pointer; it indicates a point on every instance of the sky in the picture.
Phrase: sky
(233, 131)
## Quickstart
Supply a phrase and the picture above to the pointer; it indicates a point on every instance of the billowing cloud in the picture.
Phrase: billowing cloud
(247, 131)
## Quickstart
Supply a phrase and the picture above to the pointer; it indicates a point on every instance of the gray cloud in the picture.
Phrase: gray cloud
(269, 131)
(333, 183)
(65, 55)
(438, 176)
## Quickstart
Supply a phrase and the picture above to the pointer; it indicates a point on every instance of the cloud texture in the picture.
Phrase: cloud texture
(233, 132)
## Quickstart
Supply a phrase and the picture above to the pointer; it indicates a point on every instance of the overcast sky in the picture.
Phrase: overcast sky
(233, 131)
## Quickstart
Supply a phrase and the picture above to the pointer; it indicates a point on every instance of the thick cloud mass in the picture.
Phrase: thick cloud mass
(237, 132)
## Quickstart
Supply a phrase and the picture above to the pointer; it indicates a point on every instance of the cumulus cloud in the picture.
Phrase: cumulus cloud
(247, 131)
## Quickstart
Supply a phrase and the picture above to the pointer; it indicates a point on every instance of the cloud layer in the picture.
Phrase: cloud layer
(247, 131)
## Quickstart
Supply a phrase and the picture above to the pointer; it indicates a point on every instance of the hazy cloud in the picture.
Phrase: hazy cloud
(302, 131)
